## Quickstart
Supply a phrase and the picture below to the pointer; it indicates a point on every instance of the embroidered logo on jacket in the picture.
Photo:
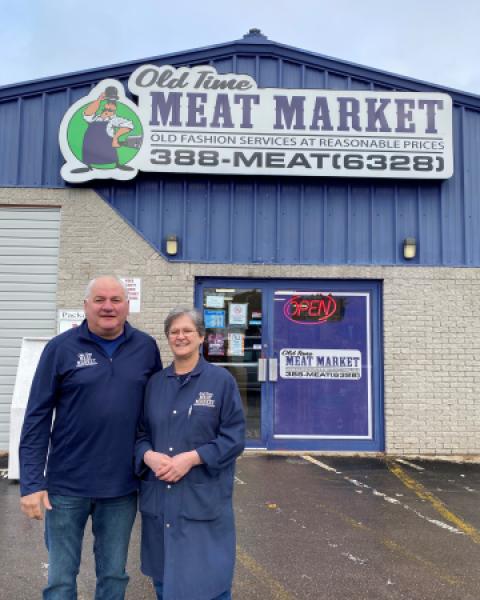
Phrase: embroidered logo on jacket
(205, 399)
(86, 359)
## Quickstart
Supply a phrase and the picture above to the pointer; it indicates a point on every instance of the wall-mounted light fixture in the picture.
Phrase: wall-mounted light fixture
(409, 248)
(171, 245)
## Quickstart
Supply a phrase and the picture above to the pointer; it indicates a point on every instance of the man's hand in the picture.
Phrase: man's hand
(33, 504)
(180, 465)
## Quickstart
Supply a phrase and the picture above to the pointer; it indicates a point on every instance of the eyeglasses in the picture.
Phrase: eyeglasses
(109, 110)
(174, 333)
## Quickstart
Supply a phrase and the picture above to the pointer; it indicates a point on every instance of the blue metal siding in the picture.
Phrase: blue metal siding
(359, 84)
(56, 104)
(261, 221)
(314, 78)
(383, 234)
(430, 225)
(453, 201)
(359, 225)
(247, 65)
(471, 181)
(291, 75)
(219, 240)
(407, 215)
(224, 65)
(266, 205)
(265, 220)
(32, 133)
(336, 82)
(336, 232)
(289, 224)
(243, 225)
(268, 72)
(196, 220)
(9, 141)
(314, 223)
(147, 212)
(173, 211)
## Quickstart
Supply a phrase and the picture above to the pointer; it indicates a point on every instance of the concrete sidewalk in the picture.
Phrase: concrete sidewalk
(312, 528)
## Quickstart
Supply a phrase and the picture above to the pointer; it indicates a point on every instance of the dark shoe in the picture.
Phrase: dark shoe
(81, 170)
(125, 168)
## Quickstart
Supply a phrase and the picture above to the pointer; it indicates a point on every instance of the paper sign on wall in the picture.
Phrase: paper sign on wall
(68, 318)
(134, 292)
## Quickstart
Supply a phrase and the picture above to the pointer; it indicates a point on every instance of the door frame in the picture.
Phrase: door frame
(268, 287)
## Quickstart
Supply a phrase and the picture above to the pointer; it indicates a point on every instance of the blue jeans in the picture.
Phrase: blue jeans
(112, 522)
(159, 589)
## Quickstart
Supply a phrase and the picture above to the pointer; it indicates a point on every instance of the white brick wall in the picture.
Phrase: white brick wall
(431, 316)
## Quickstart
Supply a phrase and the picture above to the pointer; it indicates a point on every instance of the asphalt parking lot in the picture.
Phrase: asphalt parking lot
(312, 528)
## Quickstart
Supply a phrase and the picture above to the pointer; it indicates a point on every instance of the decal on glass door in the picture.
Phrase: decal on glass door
(322, 341)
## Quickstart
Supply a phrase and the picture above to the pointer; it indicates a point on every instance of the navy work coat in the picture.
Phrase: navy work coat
(188, 530)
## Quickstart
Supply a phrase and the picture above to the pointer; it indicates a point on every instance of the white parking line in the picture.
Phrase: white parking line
(355, 559)
(386, 498)
(402, 461)
(319, 463)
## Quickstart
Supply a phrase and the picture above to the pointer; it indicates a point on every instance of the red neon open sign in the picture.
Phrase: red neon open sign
(310, 310)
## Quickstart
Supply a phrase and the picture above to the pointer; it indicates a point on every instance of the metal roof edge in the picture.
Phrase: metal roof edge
(123, 69)
(250, 44)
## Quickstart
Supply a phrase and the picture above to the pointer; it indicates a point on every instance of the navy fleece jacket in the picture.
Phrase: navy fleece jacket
(97, 401)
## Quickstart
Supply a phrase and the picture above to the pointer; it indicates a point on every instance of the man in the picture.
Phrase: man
(105, 127)
(93, 376)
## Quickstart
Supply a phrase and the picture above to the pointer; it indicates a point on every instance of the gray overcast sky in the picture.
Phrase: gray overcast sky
(433, 40)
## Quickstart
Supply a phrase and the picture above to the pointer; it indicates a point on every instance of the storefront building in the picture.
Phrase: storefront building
(323, 215)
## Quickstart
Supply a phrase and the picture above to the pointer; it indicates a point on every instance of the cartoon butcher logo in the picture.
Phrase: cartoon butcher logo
(100, 135)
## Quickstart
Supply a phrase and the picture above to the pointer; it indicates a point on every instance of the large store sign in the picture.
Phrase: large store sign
(198, 121)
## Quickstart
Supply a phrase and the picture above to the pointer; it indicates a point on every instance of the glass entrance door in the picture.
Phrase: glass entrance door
(321, 340)
(233, 321)
(307, 357)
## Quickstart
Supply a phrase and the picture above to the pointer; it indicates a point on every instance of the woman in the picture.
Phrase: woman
(192, 431)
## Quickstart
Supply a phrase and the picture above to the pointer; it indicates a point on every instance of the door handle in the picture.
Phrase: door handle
(273, 369)
(262, 369)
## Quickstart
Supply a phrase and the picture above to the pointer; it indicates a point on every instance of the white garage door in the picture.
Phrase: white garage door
(29, 239)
